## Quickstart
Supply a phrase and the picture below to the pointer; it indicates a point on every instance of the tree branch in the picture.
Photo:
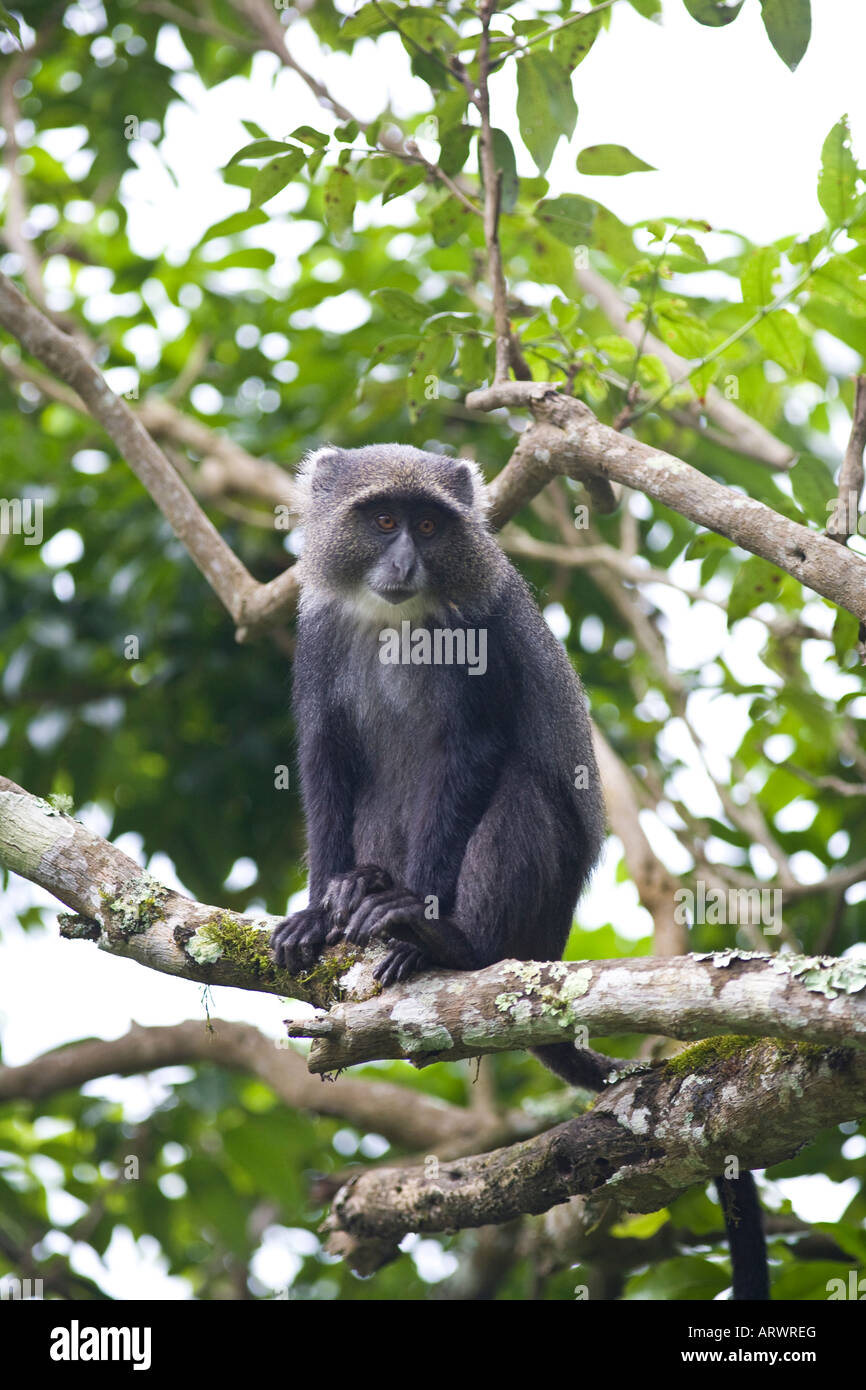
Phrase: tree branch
(568, 438)
(492, 183)
(439, 1015)
(249, 603)
(647, 1139)
(523, 1004)
(846, 513)
(428, 1123)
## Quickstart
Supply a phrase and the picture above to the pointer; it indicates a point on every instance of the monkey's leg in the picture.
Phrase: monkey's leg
(327, 777)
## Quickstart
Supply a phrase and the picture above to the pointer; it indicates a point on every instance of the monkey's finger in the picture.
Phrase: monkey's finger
(363, 920)
(400, 963)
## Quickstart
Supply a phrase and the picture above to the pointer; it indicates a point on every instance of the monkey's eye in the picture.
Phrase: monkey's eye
(427, 526)
(385, 521)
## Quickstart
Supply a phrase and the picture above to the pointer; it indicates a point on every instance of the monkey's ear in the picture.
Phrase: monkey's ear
(317, 472)
(466, 482)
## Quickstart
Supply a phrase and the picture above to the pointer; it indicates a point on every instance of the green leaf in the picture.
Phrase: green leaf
(395, 346)
(254, 130)
(572, 42)
(756, 581)
(503, 153)
(258, 150)
(810, 1280)
(758, 274)
(703, 377)
(641, 1227)
(405, 179)
(569, 218)
(680, 329)
(308, 136)
(247, 258)
(846, 631)
(789, 26)
(339, 201)
(618, 351)
(813, 487)
(610, 159)
(690, 247)
(235, 222)
(837, 181)
(274, 177)
(454, 148)
(782, 338)
(400, 306)
(840, 280)
(472, 359)
(650, 9)
(546, 107)
(702, 545)
(715, 13)
(652, 374)
(448, 220)
(429, 27)
(370, 19)
(10, 23)
(686, 1277)
(433, 356)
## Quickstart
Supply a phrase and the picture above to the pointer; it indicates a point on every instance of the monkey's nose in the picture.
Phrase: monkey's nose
(403, 570)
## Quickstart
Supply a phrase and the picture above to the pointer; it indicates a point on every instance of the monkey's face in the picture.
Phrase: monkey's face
(389, 527)
(404, 543)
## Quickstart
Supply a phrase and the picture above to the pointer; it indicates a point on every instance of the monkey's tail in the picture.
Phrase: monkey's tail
(744, 1224)
(579, 1066)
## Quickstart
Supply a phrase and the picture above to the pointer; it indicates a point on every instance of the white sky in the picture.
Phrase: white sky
(736, 139)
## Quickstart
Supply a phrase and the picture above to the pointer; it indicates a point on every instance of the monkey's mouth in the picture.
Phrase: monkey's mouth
(394, 595)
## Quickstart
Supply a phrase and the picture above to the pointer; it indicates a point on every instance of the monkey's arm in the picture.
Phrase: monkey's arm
(329, 773)
(328, 763)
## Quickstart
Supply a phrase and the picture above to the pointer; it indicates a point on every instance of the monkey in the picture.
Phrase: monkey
(453, 806)
(455, 811)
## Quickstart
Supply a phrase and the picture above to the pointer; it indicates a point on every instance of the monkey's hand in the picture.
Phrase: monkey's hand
(345, 893)
(297, 941)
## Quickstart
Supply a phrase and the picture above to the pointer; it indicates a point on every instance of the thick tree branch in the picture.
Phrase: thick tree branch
(439, 1015)
(523, 1004)
(566, 437)
(648, 1139)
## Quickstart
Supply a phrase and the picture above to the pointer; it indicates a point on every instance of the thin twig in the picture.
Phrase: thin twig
(492, 180)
